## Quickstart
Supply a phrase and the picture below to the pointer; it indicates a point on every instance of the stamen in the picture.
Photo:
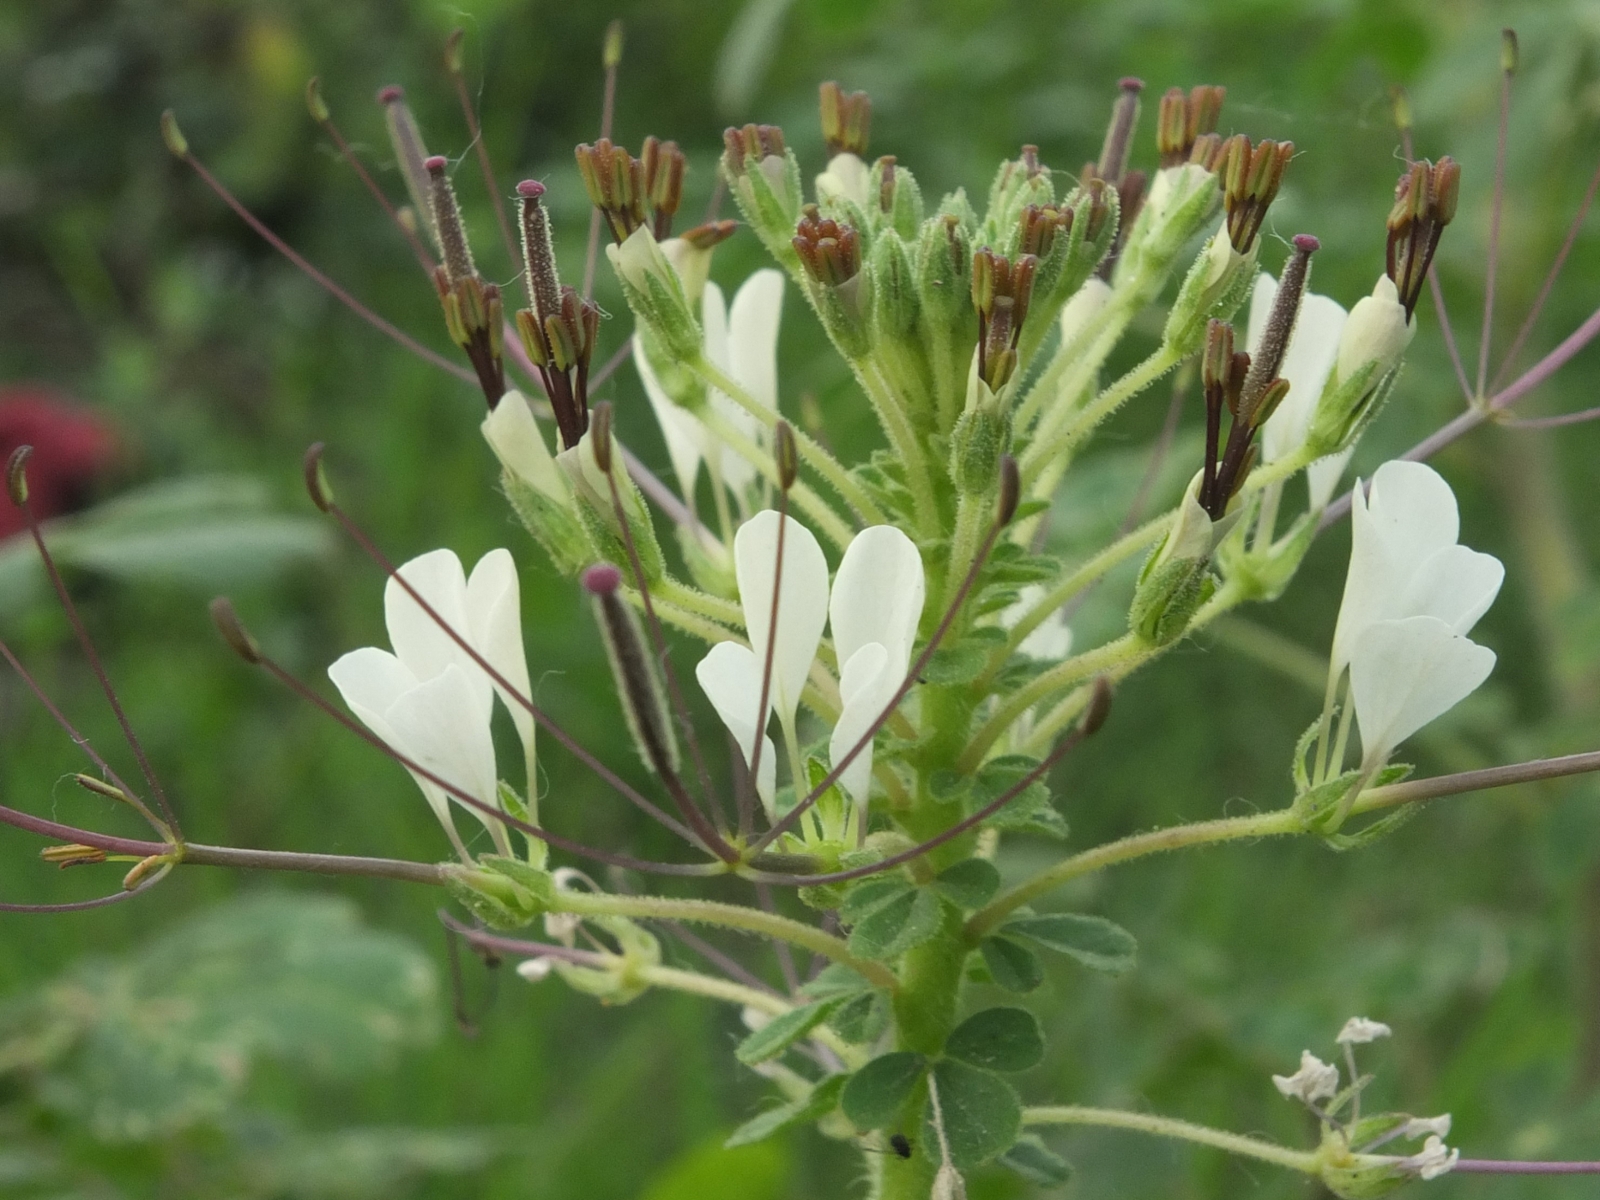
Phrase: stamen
(1424, 203)
(1093, 718)
(16, 480)
(1113, 160)
(452, 62)
(846, 120)
(1001, 291)
(664, 166)
(180, 149)
(1250, 179)
(1010, 495)
(223, 614)
(472, 309)
(1183, 120)
(323, 117)
(1269, 354)
(829, 250)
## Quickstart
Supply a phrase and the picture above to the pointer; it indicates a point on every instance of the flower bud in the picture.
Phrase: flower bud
(17, 475)
(690, 255)
(405, 138)
(829, 252)
(226, 619)
(894, 291)
(894, 198)
(1019, 183)
(1218, 282)
(598, 512)
(177, 144)
(1176, 580)
(316, 478)
(764, 177)
(538, 489)
(843, 190)
(980, 438)
(315, 104)
(1371, 344)
(655, 293)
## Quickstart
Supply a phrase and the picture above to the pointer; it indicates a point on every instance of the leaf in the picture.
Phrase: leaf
(970, 884)
(778, 1034)
(998, 1039)
(869, 896)
(1029, 812)
(982, 1115)
(893, 928)
(875, 1094)
(1011, 964)
(1094, 941)
(948, 786)
(860, 1020)
(835, 979)
(960, 663)
(816, 1104)
(1030, 1158)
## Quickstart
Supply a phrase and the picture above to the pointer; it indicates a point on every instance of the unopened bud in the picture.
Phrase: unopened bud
(1508, 51)
(173, 136)
(405, 138)
(600, 434)
(17, 475)
(601, 579)
(452, 51)
(226, 619)
(1099, 707)
(846, 120)
(1010, 490)
(142, 868)
(316, 478)
(611, 48)
(315, 104)
(73, 855)
(785, 454)
(712, 233)
(100, 787)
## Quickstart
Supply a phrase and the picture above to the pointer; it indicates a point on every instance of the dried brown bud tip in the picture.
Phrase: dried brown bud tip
(1099, 707)
(17, 475)
(1010, 490)
(173, 136)
(846, 120)
(226, 619)
(601, 579)
(786, 454)
(315, 104)
(703, 237)
(316, 478)
(600, 434)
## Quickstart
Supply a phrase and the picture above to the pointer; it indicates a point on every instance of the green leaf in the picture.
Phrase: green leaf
(816, 1104)
(957, 664)
(1011, 964)
(893, 928)
(860, 1020)
(1093, 941)
(1030, 1158)
(363, 1164)
(982, 1115)
(835, 979)
(998, 1039)
(872, 894)
(970, 884)
(778, 1034)
(1029, 812)
(875, 1094)
(948, 786)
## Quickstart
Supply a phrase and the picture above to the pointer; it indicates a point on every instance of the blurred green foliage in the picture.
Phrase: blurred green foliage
(1475, 932)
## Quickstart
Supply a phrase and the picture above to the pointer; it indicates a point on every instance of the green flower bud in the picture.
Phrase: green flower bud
(1216, 285)
(618, 982)
(764, 177)
(1019, 182)
(655, 293)
(981, 436)
(598, 514)
(894, 201)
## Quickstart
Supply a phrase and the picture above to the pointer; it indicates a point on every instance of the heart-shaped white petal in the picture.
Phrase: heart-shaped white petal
(1404, 674)
(494, 615)
(436, 723)
(736, 472)
(680, 429)
(514, 436)
(866, 685)
(878, 595)
(730, 676)
(802, 607)
(753, 335)
(418, 639)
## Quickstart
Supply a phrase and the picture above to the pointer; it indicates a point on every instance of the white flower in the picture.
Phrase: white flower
(1376, 332)
(428, 700)
(1433, 1126)
(1315, 1080)
(1358, 1031)
(1051, 639)
(1411, 596)
(1435, 1159)
(743, 342)
(535, 970)
(1307, 363)
(876, 603)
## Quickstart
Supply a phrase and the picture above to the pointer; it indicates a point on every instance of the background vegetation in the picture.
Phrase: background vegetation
(306, 1028)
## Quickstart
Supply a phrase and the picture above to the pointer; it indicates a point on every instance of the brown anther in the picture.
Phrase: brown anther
(72, 855)
(614, 180)
(316, 478)
(1010, 491)
(846, 120)
(1183, 120)
(746, 142)
(1001, 290)
(1250, 179)
(703, 237)
(1039, 226)
(663, 167)
(829, 250)
(17, 475)
(1113, 160)
(1424, 203)
(1208, 151)
(785, 454)
(226, 619)
(1099, 707)
(600, 435)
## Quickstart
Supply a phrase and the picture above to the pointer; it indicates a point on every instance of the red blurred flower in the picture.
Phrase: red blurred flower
(72, 446)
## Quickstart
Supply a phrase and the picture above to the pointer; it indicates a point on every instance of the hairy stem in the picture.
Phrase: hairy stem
(1169, 1127)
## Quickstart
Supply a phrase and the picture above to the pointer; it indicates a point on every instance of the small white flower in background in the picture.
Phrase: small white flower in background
(1358, 1031)
(1315, 1080)
(536, 970)
(428, 700)
(1051, 639)
(876, 603)
(741, 340)
(1307, 363)
(1427, 1126)
(1434, 1160)
(1410, 598)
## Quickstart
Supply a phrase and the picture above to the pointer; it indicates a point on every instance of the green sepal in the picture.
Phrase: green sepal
(876, 1093)
(554, 526)
(778, 1034)
(821, 1100)
(1167, 597)
(998, 1039)
(1095, 942)
(498, 892)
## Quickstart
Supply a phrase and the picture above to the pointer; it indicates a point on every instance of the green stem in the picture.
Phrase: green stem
(897, 427)
(973, 516)
(834, 527)
(672, 614)
(1305, 1161)
(674, 591)
(1102, 406)
(730, 916)
(1276, 472)
(811, 453)
(746, 997)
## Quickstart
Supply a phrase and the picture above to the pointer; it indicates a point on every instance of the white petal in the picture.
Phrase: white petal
(802, 607)
(1261, 299)
(1404, 674)
(418, 639)
(1051, 639)
(680, 428)
(737, 473)
(730, 676)
(437, 722)
(866, 685)
(753, 335)
(494, 615)
(517, 442)
(1413, 508)
(878, 594)
(1455, 584)
(1306, 365)
(1322, 477)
